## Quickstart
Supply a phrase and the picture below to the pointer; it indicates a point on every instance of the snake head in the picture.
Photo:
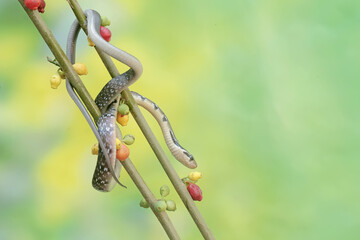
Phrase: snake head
(189, 160)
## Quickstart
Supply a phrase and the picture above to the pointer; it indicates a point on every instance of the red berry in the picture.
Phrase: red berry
(32, 4)
(195, 192)
(105, 33)
(41, 7)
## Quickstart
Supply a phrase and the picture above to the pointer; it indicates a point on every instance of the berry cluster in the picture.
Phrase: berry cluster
(104, 31)
(161, 204)
(57, 78)
(194, 190)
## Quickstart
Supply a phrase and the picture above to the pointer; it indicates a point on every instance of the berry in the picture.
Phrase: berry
(164, 190)
(194, 176)
(55, 81)
(170, 205)
(41, 7)
(118, 143)
(91, 43)
(144, 204)
(105, 21)
(61, 73)
(129, 139)
(160, 205)
(95, 149)
(122, 119)
(80, 68)
(32, 4)
(105, 33)
(123, 109)
(195, 192)
(122, 153)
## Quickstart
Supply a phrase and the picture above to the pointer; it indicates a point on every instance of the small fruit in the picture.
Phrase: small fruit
(123, 109)
(55, 81)
(61, 73)
(95, 149)
(160, 205)
(105, 33)
(105, 21)
(91, 43)
(144, 204)
(122, 119)
(170, 205)
(118, 143)
(129, 139)
(80, 68)
(164, 190)
(195, 192)
(41, 7)
(194, 176)
(122, 153)
(32, 4)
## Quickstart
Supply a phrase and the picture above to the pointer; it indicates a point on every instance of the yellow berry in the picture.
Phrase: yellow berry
(118, 143)
(80, 68)
(122, 119)
(55, 81)
(194, 176)
(95, 149)
(91, 43)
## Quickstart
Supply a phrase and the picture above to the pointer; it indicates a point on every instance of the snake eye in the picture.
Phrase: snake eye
(189, 156)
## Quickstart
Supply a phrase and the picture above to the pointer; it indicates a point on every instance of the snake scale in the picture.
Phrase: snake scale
(107, 169)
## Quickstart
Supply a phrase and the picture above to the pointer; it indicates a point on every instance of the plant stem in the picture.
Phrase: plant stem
(149, 135)
(95, 112)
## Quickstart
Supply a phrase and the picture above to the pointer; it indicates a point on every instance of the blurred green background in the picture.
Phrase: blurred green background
(265, 94)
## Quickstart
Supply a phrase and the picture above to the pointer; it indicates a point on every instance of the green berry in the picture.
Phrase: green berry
(123, 109)
(129, 139)
(105, 21)
(61, 73)
(144, 204)
(160, 205)
(164, 190)
(171, 206)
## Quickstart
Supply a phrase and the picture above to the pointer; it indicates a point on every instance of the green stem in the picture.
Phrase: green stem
(149, 135)
(53, 61)
(95, 112)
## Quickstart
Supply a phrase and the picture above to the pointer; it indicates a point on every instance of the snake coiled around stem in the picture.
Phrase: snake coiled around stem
(107, 169)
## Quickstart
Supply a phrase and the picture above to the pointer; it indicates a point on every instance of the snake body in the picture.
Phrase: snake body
(107, 169)
(180, 153)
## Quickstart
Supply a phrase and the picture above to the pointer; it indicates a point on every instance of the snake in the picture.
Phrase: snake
(107, 170)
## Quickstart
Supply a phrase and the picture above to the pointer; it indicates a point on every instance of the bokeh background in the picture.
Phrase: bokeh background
(265, 94)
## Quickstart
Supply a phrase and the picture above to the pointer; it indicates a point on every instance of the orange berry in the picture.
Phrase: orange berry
(122, 119)
(122, 153)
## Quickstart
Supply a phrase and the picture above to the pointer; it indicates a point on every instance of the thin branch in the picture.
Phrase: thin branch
(53, 61)
(149, 135)
(95, 112)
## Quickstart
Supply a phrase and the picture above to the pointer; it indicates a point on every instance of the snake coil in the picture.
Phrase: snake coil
(107, 168)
